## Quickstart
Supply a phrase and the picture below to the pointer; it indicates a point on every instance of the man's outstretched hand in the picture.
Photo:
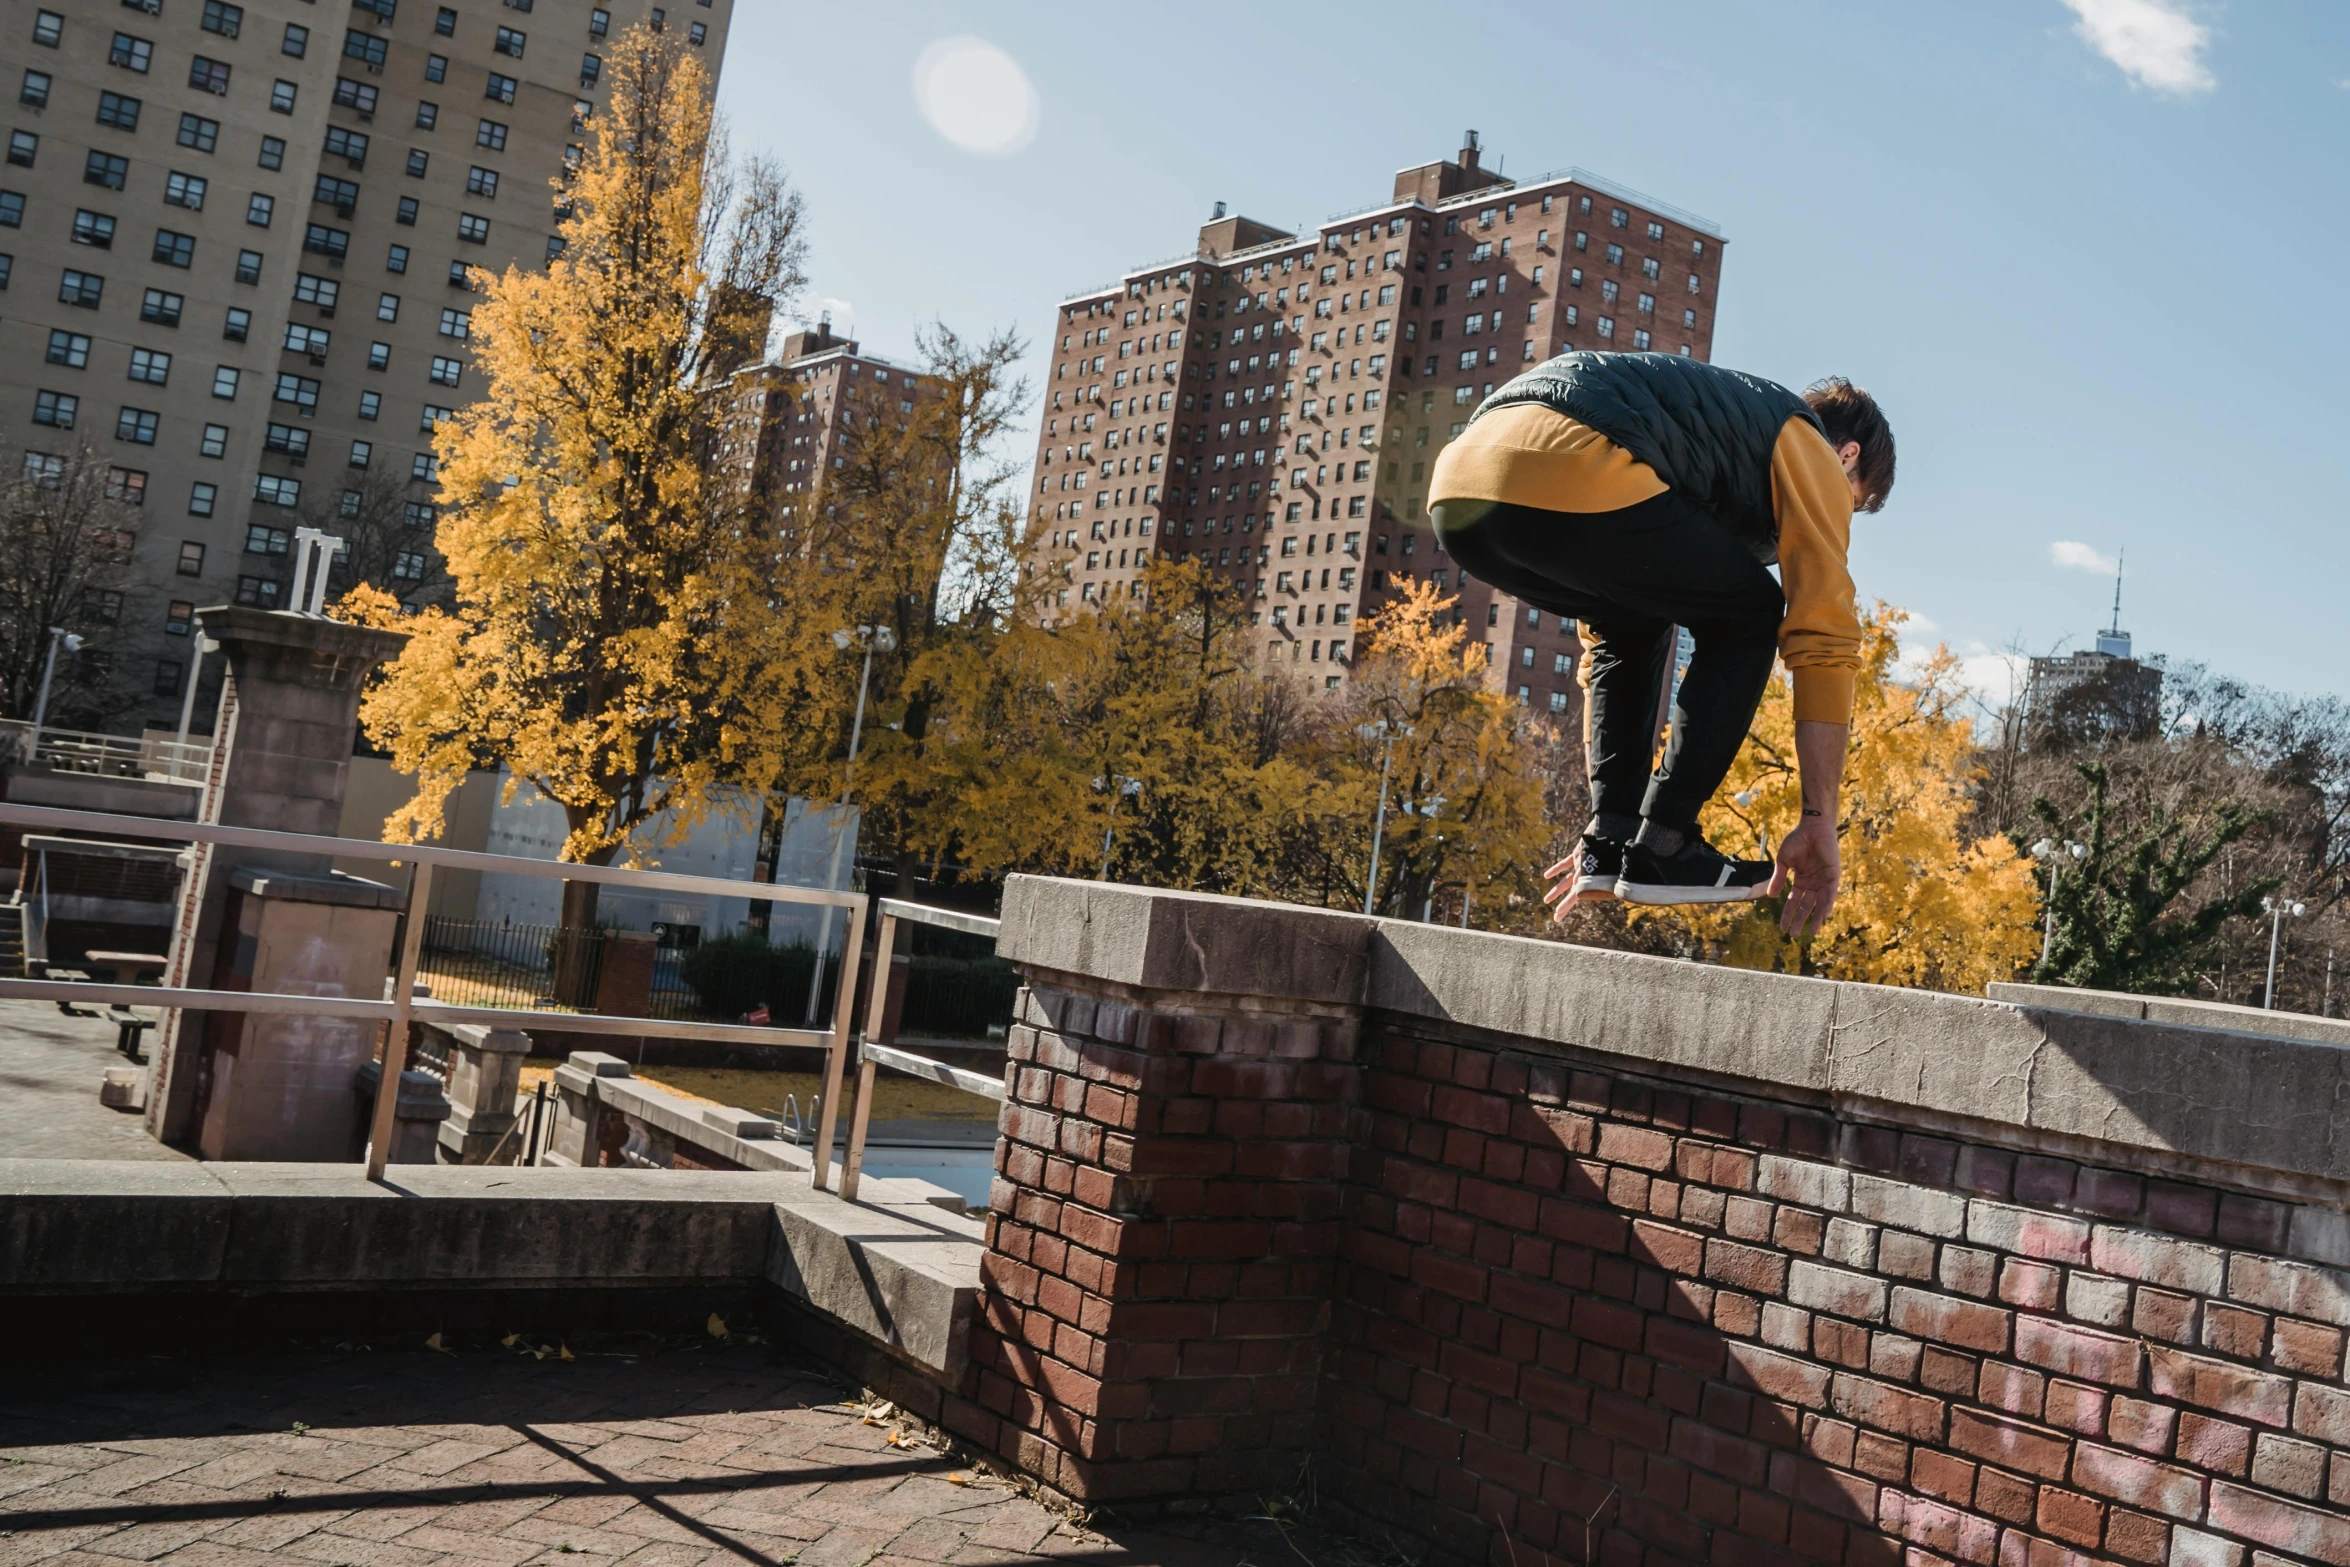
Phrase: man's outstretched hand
(1561, 894)
(1809, 870)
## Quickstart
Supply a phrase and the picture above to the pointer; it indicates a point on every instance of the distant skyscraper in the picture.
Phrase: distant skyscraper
(1271, 403)
(2105, 689)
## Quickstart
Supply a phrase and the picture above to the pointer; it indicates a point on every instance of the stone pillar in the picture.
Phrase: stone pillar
(417, 1118)
(582, 1131)
(485, 1075)
(288, 712)
(1170, 1172)
(275, 1086)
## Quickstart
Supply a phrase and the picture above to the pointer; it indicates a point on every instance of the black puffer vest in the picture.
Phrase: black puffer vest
(1708, 432)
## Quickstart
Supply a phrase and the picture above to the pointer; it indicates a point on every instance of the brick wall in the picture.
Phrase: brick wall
(1161, 1255)
(1584, 1309)
(1534, 1308)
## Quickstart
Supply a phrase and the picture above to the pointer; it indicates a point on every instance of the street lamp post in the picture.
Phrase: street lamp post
(2277, 909)
(1119, 786)
(1427, 810)
(204, 645)
(1386, 731)
(2052, 854)
(72, 644)
(875, 639)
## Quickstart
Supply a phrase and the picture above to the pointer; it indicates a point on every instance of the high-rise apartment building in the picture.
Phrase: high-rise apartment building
(790, 418)
(239, 248)
(1272, 403)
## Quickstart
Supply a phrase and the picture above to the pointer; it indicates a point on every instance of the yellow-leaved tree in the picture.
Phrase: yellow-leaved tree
(610, 611)
(1465, 786)
(1925, 905)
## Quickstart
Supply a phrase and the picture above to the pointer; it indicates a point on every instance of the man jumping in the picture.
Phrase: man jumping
(1634, 493)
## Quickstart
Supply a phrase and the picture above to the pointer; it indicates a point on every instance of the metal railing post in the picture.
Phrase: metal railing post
(844, 993)
(877, 1032)
(387, 1088)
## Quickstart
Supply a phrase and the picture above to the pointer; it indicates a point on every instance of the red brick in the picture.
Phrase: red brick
(2014, 1389)
(1636, 1146)
(2075, 1406)
(2138, 1482)
(2005, 1496)
(2231, 1330)
(1948, 1372)
(2134, 1537)
(2036, 1286)
(1782, 1377)
(1966, 1323)
(2078, 1351)
(2011, 1444)
(1940, 1475)
(2071, 1516)
(2146, 1427)
(2213, 1445)
(2215, 1384)
(1677, 1251)
(1887, 1408)
(2323, 1413)
(2308, 1348)
(1745, 1267)
(2287, 1526)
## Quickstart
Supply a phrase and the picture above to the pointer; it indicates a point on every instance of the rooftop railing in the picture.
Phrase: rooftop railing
(155, 757)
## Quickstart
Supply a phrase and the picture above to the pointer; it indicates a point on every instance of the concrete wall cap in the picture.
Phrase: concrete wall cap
(353, 892)
(598, 1064)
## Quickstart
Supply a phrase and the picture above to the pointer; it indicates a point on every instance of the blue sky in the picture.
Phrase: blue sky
(2087, 252)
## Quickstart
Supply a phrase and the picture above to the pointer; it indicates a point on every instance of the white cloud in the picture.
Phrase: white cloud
(976, 96)
(2157, 44)
(2080, 557)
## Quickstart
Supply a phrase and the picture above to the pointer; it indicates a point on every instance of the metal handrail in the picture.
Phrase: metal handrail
(81, 751)
(877, 1045)
(403, 1006)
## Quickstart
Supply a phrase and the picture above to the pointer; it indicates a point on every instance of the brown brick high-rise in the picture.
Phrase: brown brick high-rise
(1273, 403)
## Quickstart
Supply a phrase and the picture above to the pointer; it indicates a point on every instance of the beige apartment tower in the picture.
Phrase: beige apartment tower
(1272, 403)
(239, 247)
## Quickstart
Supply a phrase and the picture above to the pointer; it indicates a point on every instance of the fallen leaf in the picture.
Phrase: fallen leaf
(716, 1326)
(435, 1343)
(563, 1352)
(958, 1479)
(511, 1339)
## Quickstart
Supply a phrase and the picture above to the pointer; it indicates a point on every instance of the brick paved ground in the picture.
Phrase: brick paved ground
(681, 1456)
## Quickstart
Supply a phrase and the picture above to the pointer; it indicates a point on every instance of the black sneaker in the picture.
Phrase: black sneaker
(1599, 865)
(1695, 873)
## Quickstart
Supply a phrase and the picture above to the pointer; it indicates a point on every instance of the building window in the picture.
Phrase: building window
(428, 115)
(500, 88)
(70, 349)
(342, 195)
(271, 490)
(319, 291)
(366, 48)
(297, 41)
(224, 383)
(101, 605)
(444, 22)
(509, 41)
(260, 209)
(456, 323)
(180, 618)
(490, 134)
(23, 148)
(106, 170)
(370, 404)
(350, 146)
(222, 18)
(387, 307)
(11, 209)
(118, 111)
(447, 372)
(436, 67)
(260, 592)
(151, 366)
(482, 182)
(299, 390)
(355, 96)
(1639, 339)
(85, 289)
(136, 425)
(420, 514)
(127, 485)
(408, 565)
(591, 69)
(192, 553)
(362, 452)
(396, 259)
(379, 356)
(248, 266)
(94, 229)
(160, 308)
(185, 190)
(48, 28)
(198, 134)
(57, 410)
(599, 23)
(237, 325)
(208, 76)
(320, 240)
(132, 54)
(425, 468)
(273, 152)
(473, 229)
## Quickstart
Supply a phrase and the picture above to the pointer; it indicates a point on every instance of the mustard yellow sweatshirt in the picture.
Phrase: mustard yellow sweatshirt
(1528, 455)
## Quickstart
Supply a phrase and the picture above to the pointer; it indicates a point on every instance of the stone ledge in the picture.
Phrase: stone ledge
(2184, 1079)
(893, 1267)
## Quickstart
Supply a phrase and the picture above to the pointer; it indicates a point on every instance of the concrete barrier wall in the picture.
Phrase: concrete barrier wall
(1556, 1254)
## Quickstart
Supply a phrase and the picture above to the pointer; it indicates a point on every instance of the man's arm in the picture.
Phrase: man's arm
(1811, 863)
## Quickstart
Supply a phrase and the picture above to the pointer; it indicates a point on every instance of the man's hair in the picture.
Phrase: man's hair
(1851, 414)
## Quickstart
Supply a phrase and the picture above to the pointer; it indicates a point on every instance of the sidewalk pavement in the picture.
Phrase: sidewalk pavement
(50, 1068)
